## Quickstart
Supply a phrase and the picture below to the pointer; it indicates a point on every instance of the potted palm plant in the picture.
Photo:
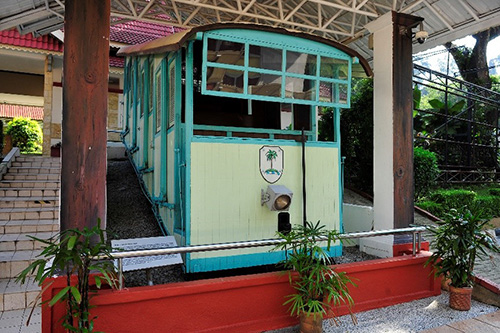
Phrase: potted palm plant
(459, 240)
(69, 253)
(318, 286)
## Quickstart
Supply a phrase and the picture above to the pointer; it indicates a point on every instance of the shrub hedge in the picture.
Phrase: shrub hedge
(26, 134)
(425, 169)
(494, 191)
(443, 201)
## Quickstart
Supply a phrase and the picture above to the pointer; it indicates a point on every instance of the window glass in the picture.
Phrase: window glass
(226, 52)
(171, 95)
(298, 88)
(158, 101)
(301, 63)
(226, 80)
(326, 90)
(264, 84)
(334, 68)
(265, 57)
(141, 92)
(286, 116)
(343, 93)
(131, 90)
(150, 85)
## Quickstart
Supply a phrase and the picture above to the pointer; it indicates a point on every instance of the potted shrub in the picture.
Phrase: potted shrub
(55, 150)
(318, 287)
(459, 240)
(70, 253)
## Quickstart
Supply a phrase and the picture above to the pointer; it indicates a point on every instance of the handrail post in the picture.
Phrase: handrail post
(414, 243)
(419, 242)
(120, 273)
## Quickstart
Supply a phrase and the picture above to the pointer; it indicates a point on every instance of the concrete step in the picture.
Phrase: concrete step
(14, 262)
(18, 242)
(14, 296)
(28, 158)
(35, 170)
(28, 226)
(29, 202)
(39, 213)
(37, 164)
(27, 192)
(52, 184)
(32, 176)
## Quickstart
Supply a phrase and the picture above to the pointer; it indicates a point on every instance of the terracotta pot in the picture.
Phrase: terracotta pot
(55, 151)
(312, 323)
(460, 298)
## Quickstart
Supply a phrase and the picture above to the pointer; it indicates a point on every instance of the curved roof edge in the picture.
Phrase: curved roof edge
(175, 41)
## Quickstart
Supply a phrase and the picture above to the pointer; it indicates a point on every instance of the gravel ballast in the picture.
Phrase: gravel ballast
(416, 316)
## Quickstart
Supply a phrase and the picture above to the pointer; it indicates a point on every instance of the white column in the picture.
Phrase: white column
(383, 184)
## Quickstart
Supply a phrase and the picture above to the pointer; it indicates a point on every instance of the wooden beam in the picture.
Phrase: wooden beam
(84, 134)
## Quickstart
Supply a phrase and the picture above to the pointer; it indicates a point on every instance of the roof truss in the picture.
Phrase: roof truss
(340, 20)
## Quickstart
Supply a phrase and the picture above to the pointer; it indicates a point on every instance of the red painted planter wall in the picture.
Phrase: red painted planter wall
(250, 303)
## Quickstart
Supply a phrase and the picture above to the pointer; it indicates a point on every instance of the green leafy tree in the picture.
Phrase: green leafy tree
(472, 62)
(26, 134)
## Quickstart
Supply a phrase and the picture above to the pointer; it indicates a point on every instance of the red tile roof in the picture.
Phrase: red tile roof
(13, 110)
(136, 32)
(116, 62)
(46, 42)
(132, 32)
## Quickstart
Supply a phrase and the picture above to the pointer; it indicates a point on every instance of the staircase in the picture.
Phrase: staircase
(29, 205)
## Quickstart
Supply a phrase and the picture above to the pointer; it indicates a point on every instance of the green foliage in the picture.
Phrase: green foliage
(494, 191)
(26, 134)
(318, 286)
(72, 252)
(459, 239)
(428, 124)
(432, 207)
(425, 168)
(356, 129)
(490, 205)
(326, 131)
(454, 198)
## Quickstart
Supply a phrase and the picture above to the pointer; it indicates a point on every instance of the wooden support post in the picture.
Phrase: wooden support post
(404, 185)
(84, 134)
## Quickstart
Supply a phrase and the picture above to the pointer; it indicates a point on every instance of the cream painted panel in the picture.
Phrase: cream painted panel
(226, 186)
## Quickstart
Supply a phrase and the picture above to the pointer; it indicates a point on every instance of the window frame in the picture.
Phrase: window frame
(283, 73)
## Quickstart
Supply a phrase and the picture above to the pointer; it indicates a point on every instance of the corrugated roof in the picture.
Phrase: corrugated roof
(26, 111)
(137, 32)
(46, 42)
(341, 20)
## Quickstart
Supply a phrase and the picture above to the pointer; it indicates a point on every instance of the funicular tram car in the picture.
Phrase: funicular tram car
(222, 122)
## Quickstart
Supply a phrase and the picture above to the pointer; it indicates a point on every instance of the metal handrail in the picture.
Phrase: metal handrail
(416, 244)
